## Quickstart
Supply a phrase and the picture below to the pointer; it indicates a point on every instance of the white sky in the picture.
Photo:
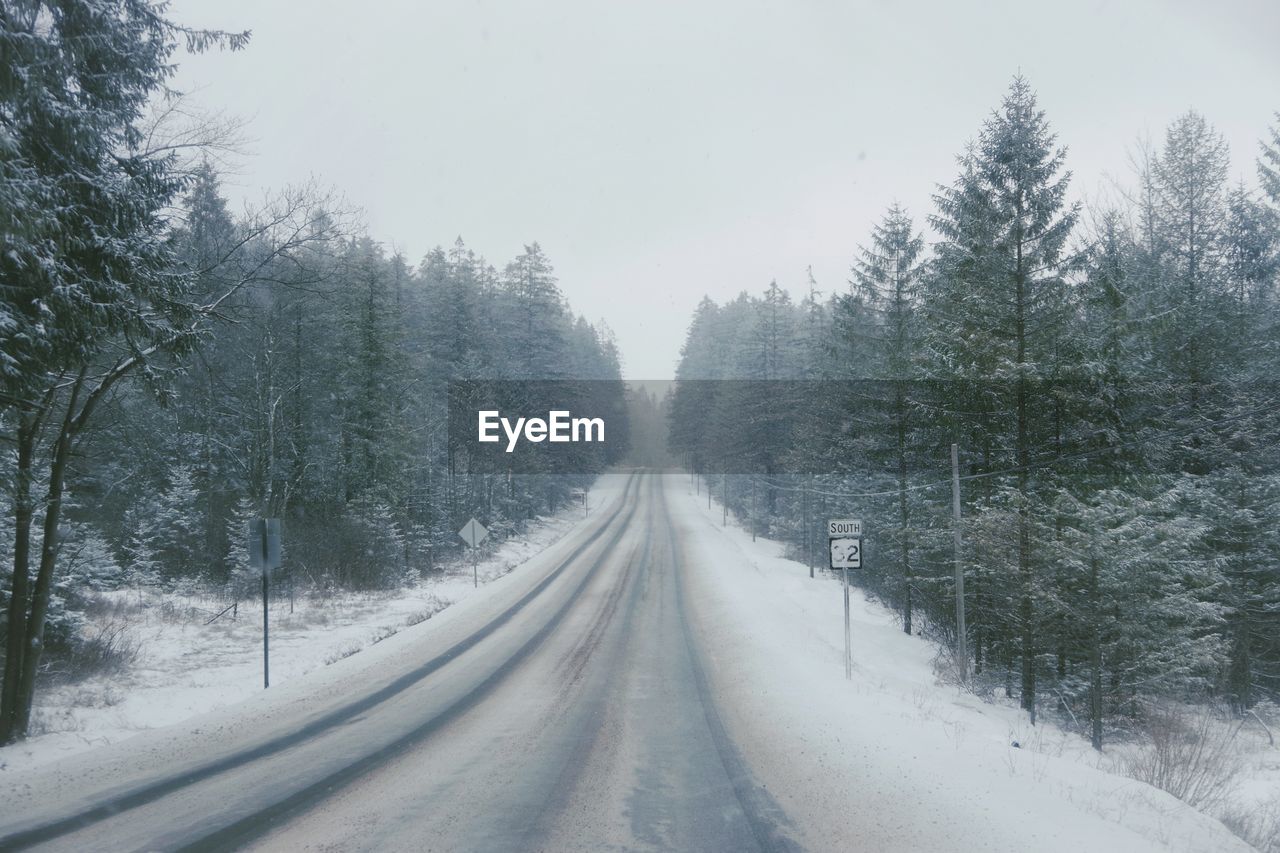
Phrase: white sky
(660, 151)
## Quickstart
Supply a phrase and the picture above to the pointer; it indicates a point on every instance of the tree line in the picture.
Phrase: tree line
(1108, 374)
(170, 370)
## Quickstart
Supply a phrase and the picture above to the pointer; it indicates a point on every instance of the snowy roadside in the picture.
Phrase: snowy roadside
(187, 666)
(906, 761)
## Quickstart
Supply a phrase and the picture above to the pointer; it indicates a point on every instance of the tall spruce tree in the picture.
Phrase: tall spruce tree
(997, 288)
(884, 309)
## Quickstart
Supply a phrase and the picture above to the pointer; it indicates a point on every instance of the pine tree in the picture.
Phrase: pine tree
(536, 327)
(373, 432)
(236, 559)
(996, 301)
(85, 256)
(1190, 197)
(178, 525)
(880, 318)
(1269, 164)
(90, 561)
(1149, 628)
(140, 552)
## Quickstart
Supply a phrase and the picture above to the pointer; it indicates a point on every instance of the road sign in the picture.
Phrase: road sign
(846, 553)
(844, 544)
(838, 528)
(264, 559)
(473, 533)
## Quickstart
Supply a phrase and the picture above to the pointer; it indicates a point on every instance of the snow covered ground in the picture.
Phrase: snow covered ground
(186, 667)
(915, 762)
(897, 758)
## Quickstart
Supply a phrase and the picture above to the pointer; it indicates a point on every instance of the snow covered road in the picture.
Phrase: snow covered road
(648, 683)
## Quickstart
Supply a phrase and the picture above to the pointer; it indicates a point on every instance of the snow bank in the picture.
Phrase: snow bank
(186, 667)
(892, 760)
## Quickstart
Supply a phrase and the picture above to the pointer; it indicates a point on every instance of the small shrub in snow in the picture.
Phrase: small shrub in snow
(344, 651)
(1191, 754)
(104, 648)
(1258, 824)
(434, 606)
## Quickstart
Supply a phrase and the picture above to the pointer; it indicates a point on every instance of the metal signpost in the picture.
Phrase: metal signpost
(473, 533)
(264, 555)
(844, 542)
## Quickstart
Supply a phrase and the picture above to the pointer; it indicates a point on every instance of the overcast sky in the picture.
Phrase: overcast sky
(660, 151)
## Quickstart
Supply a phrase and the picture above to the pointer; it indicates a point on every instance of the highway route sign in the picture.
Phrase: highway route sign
(844, 542)
(846, 553)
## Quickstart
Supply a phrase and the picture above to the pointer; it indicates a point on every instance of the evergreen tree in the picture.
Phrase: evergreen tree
(84, 259)
(1269, 164)
(90, 561)
(236, 560)
(177, 522)
(882, 310)
(140, 552)
(999, 283)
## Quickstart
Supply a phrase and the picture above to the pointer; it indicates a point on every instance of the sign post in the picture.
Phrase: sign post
(844, 543)
(962, 640)
(473, 533)
(264, 555)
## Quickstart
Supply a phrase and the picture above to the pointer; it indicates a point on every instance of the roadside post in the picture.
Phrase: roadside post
(473, 533)
(808, 531)
(962, 640)
(264, 555)
(844, 544)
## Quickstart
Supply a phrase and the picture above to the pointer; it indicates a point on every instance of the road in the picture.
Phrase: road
(580, 717)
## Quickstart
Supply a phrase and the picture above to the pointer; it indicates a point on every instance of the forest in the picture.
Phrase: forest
(1107, 373)
(172, 369)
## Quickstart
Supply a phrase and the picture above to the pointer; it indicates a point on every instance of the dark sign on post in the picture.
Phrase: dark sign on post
(264, 558)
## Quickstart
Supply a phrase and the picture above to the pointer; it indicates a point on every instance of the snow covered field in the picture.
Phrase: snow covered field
(186, 667)
(915, 762)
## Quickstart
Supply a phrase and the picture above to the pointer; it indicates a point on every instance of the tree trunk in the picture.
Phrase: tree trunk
(1023, 446)
(1241, 670)
(905, 542)
(48, 557)
(1095, 658)
(15, 642)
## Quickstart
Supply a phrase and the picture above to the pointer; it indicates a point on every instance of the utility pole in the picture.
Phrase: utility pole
(753, 508)
(962, 640)
(808, 531)
(724, 496)
(266, 658)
